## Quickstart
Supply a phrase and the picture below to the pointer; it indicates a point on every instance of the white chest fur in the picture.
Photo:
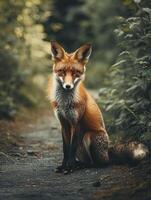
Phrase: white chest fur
(65, 104)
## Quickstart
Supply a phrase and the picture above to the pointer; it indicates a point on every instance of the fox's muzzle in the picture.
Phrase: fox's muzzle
(68, 82)
(68, 86)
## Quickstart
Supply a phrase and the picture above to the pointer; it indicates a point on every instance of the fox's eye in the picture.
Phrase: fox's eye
(77, 73)
(61, 72)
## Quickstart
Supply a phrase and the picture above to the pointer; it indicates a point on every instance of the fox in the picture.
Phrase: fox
(84, 135)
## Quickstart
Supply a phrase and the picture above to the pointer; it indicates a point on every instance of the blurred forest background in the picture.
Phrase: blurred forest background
(120, 66)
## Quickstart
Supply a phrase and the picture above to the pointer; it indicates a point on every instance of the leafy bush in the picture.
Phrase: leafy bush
(128, 105)
(10, 78)
(23, 53)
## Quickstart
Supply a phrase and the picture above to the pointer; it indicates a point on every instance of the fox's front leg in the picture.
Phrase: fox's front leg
(69, 149)
(62, 167)
(64, 132)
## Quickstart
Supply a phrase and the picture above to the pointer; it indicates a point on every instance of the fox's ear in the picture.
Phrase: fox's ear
(83, 53)
(57, 51)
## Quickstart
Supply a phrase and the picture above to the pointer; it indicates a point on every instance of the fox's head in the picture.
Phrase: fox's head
(69, 68)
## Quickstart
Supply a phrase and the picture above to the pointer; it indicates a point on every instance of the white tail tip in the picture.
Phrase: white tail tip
(140, 152)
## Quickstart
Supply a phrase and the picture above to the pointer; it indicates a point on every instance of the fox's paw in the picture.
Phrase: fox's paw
(65, 169)
(71, 166)
(60, 169)
(68, 171)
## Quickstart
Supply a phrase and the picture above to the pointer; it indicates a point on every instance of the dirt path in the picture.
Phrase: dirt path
(27, 172)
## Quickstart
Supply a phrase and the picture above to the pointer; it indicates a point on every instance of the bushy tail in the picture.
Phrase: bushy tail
(130, 152)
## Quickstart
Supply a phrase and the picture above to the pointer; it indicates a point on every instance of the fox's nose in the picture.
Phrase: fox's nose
(68, 86)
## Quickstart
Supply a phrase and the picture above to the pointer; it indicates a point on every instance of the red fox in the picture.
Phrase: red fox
(83, 130)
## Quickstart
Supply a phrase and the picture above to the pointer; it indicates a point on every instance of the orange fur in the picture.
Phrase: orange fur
(87, 117)
(83, 130)
(92, 113)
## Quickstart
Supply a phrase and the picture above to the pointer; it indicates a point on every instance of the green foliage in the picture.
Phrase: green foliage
(23, 52)
(10, 78)
(128, 104)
